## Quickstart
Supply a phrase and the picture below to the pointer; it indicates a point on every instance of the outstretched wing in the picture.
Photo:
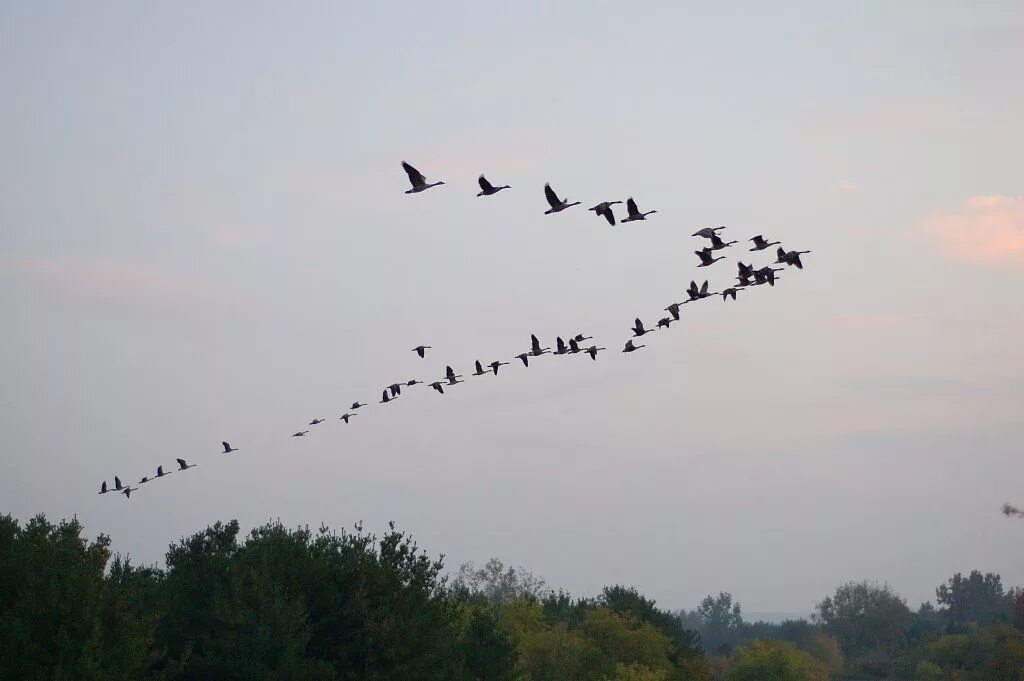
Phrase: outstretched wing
(551, 196)
(485, 185)
(227, 447)
(182, 463)
(415, 176)
(704, 287)
(631, 206)
(608, 215)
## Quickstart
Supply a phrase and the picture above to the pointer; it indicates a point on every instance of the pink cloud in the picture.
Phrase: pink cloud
(989, 230)
(116, 281)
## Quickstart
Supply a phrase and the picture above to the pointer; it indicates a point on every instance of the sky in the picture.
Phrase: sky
(204, 236)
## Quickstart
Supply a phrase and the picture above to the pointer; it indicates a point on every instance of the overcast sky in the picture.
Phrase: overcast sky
(204, 236)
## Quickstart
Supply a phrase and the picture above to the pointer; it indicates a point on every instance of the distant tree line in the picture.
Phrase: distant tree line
(285, 603)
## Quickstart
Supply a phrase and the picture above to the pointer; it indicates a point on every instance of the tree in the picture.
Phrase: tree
(976, 598)
(869, 621)
(775, 661)
(495, 583)
(721, 622)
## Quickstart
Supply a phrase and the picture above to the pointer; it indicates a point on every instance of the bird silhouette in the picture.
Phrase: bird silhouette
(395, 389)
(634, 212)
(760, 244)
(495, 364)
(184, 466)
(450, 374)
(604, 209)
(228, 448)
(160, 472)
(638, 328)
(356, 405)
(301, 433)
(729, 293)
(479, 369)
(416, 179)
(384, 397)
(525, 358)
(708, 232)
(560, 348)
(557, 204)
(665, 322)
(593, 350)
(535, 349)
(706, 259)
(673, 310)
(486, 188)
(413, 382)
(632, 348)
(717, 244)
(346, 416)
(421, 350)
(436, 385)
(316, 422)
(103, 488)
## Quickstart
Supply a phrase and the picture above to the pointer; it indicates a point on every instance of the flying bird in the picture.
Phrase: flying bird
(436, 385)
(665, 322)
(103, 488)
(708, 232)
(160, 472)
(717, 244)
(793, 258)
(638, 328)
(698, 293)
(315, 422)
(760, 244)
(413, 382)
(574, 347)
(525, 357)
(421, 350)
(184, 466)
(766, 275)
(729, 293)
(634, 212)
(144, 480)
(450, 374)
(560, 348)
(705, 257)
(535, 349)
(127, 492)
(454, 380)
(579, 338)
(632, 348)
(356, 405)
(486, 188)
(346, 416)
(673, 310)
(479, 369)
(117, 484)
(604, 209)
(495, 364)
(416, 179)
(301, 433)
(593, 350)
(384, 398)
(395, 389)
(228, 448)
(557, 204)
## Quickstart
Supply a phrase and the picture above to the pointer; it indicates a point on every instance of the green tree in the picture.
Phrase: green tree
(869, 621)
(769, 660)
(976, 598)
(721, 622)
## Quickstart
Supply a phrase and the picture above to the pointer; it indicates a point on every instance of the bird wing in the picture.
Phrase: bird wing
(781, 252)
(551, 196)
(638, 325)
(704, 287)
(560, 344)
(227, 447)
(631, 206)
(608, 215)
(181, 462)
(484, 184)
(479, 368)
(415, 176)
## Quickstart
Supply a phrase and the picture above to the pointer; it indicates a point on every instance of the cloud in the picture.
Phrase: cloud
(843, 185)
(874, 321)
(116, 281)
(989, 230)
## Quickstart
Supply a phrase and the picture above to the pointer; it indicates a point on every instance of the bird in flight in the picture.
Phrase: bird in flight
(301, 433)
(604, 209)
(638, 328)
(632, 348)
(495, 364)
(717, 244)
(593, 350)
(346, 416)
(356, 405)
(436, 385)
(579, 338)
(160, 471)
(574, 347)
(560, 347)
(184, 465)
(729, 293)
(450, 374)
(316, 422)
(486, 188)
(708, 232)
(673, 310)
(634, 212)
(384, 397)
(706, 258)
(479, 369)
(760, 244)
(421, 350)
(665, 322)
(791, 258)
(698, 293)
(127, 491)
(228, 448)
(103, 488)
(535, 349)
(557, 204)
(413, 382)
(395, 389)
(525, 358)
(416, 179)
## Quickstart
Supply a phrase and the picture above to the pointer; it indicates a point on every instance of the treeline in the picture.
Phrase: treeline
(286, 603)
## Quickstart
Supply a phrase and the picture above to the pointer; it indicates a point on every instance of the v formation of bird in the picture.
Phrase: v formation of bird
(748, 276)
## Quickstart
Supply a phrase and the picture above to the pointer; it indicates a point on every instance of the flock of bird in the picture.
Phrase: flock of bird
(748, 276)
